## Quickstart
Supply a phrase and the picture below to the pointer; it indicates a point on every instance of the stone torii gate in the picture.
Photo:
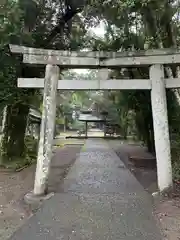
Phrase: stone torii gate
(157, 84)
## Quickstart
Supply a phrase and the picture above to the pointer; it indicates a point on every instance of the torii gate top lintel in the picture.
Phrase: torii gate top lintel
(94, 59)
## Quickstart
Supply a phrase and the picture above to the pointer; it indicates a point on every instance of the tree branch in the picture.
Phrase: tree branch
(70, 13)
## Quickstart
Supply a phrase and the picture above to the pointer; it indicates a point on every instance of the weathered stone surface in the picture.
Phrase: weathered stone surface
(47, 130)
(81, 84)
(140, 60)
(63, 61)
(90, 84)
(94, 54)
(161, 127)
(97, 59)
(82, 62)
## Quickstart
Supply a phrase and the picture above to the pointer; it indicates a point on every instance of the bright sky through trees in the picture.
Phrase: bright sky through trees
(99, 31)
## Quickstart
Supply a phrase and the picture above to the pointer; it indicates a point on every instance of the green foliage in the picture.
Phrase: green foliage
(30, 156)
(26, 22)
(175, 146)
(31, 147)
(176, 170)
(60, 121)
(78, 125)
(139, 25)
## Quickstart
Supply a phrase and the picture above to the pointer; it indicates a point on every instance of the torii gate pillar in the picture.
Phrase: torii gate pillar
(161, 127)
(47, 130)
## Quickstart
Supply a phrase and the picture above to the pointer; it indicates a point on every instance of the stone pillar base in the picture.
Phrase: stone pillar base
(159, 196)
(31, 198)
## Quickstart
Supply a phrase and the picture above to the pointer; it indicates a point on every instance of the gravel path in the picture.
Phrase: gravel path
(99, 200)
(166, 211)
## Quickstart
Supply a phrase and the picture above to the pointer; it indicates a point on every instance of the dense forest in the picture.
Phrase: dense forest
(67, 25)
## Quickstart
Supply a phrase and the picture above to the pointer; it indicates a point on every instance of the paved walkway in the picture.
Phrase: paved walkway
(100, 200)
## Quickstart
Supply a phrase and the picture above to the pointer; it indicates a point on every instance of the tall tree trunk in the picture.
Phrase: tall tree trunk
(4, 118)
(12, 145)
